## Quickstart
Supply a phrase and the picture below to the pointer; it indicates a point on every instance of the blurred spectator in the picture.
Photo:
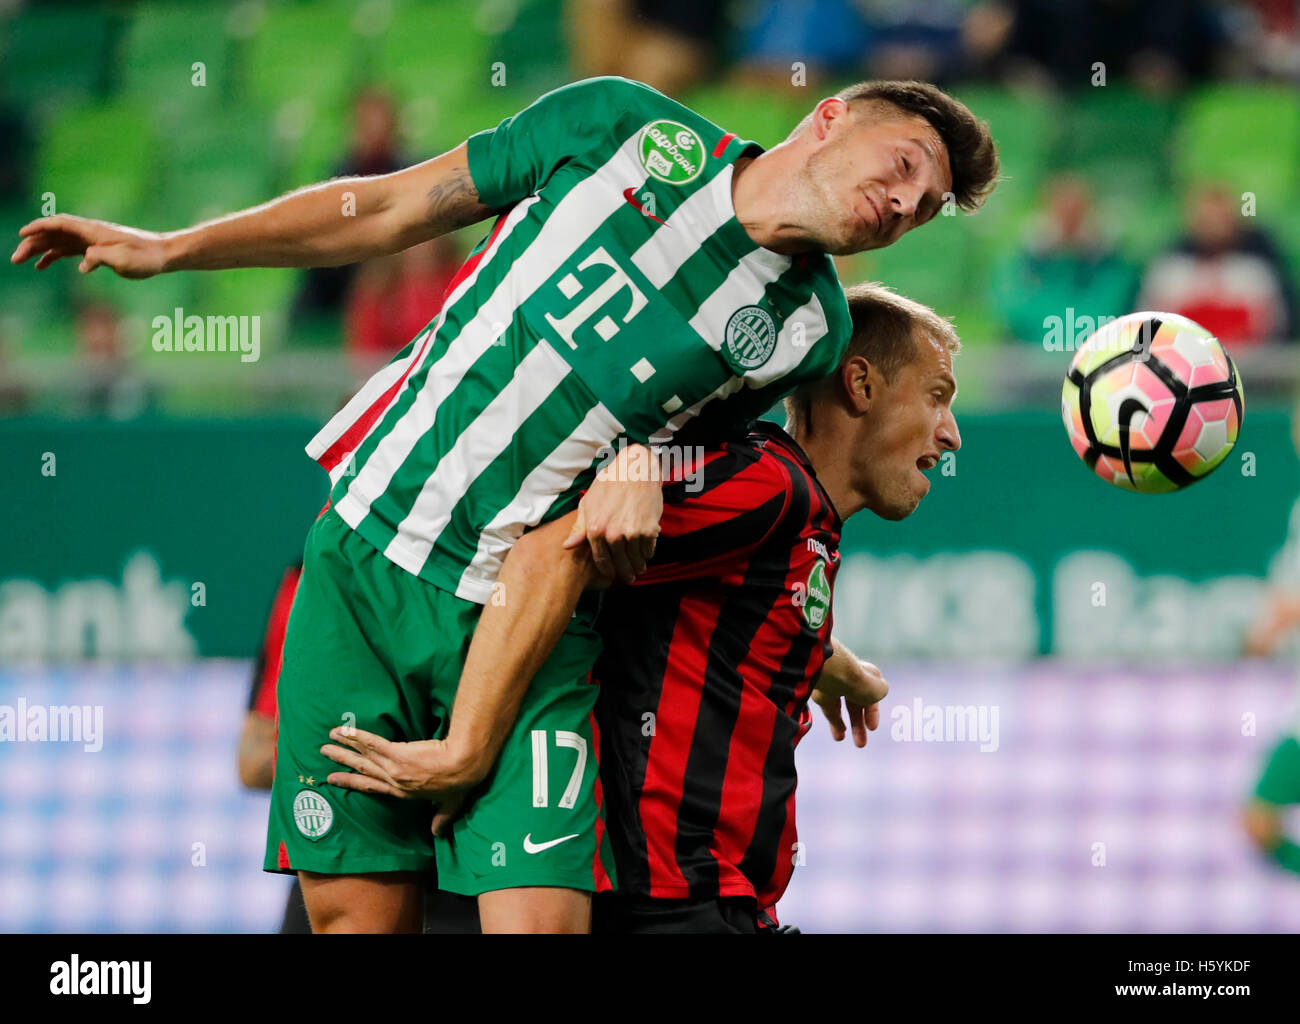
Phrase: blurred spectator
(1158, 45)
(1228, 277)
(374, 150)
(668, 44)
(15, 396)
(1066, 264)
(106, 383)
(1269, 35)
(393, 298)
(919, 39)
(15, 155)
(824, 36)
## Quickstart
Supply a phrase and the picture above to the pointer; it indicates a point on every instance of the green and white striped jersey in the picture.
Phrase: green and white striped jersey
(616, 297)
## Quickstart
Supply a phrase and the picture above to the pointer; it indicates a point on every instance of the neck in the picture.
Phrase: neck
(825, 449)
(762, 190)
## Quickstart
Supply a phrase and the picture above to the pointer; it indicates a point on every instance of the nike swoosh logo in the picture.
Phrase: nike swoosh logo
(630, 195)
(1128, 408)
(532, 847)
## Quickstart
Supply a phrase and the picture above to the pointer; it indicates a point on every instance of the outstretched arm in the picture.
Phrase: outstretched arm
(335, 222)
(540, 582)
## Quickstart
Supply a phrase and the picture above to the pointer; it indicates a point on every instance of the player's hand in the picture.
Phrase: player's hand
(861, 719)
(128, 252)
(422, 769)
(852, 678)
(619, 515)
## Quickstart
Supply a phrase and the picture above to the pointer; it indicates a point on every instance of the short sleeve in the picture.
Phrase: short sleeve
(516, 158)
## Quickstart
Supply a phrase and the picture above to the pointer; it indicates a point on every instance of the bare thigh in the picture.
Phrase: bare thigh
(387, 903)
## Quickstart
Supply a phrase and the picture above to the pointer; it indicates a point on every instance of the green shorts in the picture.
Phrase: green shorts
(1280, 783)
(368, 644)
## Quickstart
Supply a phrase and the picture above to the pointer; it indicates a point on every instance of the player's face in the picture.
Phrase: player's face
(911, 425)
(872, 181)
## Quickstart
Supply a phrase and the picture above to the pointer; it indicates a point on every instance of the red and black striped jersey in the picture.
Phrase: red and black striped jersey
(708, 664)
(266, 672)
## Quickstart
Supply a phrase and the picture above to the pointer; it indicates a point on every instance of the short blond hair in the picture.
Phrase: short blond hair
(886, 327)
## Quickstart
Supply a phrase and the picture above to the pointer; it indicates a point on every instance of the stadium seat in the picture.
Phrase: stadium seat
(1118, 138)
(52, 55)
(160, 45)
(1026, 128)
(751, 113)
(265, 292)
(1245, 136)
(213, 165)
(140, 300)
(98, 160)
(433, 49)
(931, 265)
(302, 52)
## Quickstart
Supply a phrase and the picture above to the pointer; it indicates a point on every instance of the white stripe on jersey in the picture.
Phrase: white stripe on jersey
(479, 444)
(788, 355)
(538, 492)
(744, 286)
(384, 379)
(575, 218)
(390, 374)
(689, 227)
(443, 376)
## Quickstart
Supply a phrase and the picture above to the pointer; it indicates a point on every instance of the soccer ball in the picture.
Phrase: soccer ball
(1152, 402)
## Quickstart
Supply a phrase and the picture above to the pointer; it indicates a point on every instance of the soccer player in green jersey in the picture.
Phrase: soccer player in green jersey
(647, 271)
(1278, 786)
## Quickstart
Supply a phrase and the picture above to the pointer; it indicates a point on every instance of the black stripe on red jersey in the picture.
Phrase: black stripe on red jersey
(266, 670)
(702, 538)
(739, 620)
(624, 700)
(740, 603)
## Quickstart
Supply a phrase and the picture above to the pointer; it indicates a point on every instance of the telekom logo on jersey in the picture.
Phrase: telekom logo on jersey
(591, 306)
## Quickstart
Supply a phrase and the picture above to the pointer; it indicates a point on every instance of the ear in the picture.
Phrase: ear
(860, 384)
(827, 113)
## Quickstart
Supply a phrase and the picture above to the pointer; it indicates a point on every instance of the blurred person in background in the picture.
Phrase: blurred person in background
(393, 297)
(668, 44)
(374, 150)
(916, 38)
(825, 37)
(1279, 785)
(1268, 34)
(1225, 275)
(15, 397)
(1066, 263)
(106, 383)
(1157, 45)
(257, 740)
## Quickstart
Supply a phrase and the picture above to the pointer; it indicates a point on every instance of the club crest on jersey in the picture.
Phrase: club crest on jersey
(817, 599)
(671, 152)
(750, 339)
(312, 814)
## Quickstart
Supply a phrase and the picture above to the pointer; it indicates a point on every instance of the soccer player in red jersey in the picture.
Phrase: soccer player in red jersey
(711, 657)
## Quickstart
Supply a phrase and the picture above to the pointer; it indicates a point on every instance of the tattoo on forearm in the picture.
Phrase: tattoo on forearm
(454, 203)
